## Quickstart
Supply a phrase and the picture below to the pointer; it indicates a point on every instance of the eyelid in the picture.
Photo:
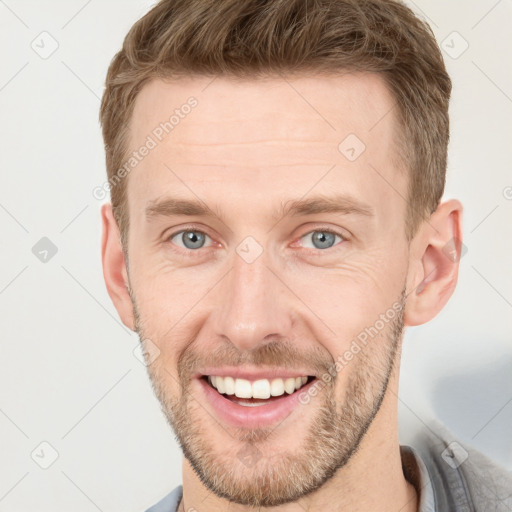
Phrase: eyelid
(187, 227)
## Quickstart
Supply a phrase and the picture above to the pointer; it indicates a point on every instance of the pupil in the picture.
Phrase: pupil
(193, 240)
(323, 240)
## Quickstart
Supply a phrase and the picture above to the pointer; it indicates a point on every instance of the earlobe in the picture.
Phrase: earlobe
(435, 253)
(114, 267)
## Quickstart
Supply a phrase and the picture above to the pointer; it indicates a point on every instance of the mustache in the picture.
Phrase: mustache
(273, 354)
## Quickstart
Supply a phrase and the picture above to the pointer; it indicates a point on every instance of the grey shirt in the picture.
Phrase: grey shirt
(448, 477)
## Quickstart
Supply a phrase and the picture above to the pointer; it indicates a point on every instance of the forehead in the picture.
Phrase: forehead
(275, 135)
(332, 104)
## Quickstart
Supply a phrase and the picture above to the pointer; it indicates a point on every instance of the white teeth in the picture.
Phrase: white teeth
(277, 387)
(243, 388)
(289, 385)
(221, 388)
(229, 385)
(262, 388)
(248, 404)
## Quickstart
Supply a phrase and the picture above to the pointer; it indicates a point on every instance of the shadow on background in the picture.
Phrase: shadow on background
(477, 406)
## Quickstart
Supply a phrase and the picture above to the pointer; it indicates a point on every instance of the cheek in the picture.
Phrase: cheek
(166, 295)
(160, 304)
(175, 303)
(350, 297)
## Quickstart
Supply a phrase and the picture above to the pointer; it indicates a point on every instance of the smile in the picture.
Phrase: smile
(253, 403)
(261, 388)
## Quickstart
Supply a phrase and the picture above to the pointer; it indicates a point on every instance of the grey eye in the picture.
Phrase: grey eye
(322, 239)
(189, 239)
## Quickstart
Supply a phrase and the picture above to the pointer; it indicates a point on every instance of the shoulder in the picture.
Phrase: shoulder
(462, 477)
(169, 503)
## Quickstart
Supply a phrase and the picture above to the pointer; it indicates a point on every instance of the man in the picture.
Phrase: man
(276, 169)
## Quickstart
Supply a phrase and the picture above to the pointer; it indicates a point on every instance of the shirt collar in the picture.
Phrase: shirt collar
(416, 473)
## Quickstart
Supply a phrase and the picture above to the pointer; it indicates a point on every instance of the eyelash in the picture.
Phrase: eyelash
(343, 237)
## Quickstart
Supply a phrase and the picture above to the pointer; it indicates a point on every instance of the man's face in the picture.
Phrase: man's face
(250, 290)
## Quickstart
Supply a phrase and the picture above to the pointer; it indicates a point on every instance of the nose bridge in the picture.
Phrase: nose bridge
(250, 309)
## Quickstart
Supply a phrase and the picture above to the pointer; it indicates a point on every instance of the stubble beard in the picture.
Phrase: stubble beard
(274, 476)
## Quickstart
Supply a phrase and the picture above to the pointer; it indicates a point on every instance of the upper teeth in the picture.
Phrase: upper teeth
(262, 388)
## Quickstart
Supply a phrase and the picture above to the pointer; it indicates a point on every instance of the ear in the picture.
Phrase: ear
(434, 259)
(114, 267)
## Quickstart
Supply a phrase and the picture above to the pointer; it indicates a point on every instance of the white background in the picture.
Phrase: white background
(68, 374)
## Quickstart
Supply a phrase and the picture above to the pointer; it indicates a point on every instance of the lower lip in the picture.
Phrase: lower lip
(252, 417)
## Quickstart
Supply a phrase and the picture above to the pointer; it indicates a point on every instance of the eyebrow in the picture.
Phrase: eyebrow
(341, 204)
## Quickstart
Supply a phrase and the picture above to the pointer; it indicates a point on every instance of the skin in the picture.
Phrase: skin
(246, 149)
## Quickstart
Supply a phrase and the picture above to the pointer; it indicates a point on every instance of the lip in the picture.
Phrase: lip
(253, 374)
(250, 417)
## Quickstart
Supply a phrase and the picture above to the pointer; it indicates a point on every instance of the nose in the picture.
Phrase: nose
(253, 305)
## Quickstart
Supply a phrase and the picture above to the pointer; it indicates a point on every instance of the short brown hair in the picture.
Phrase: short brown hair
(252, 38)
